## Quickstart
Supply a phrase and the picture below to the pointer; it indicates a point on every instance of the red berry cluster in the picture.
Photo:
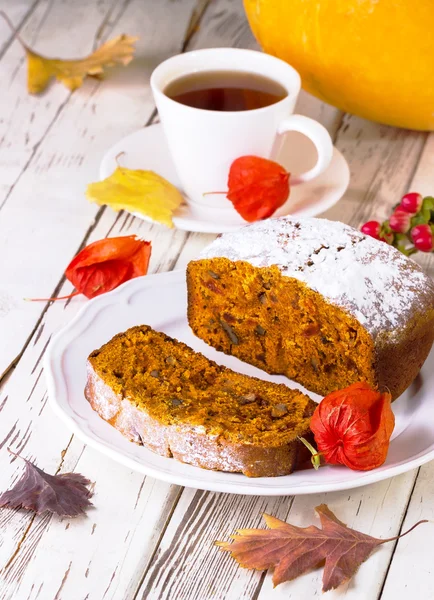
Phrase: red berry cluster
(410, 227)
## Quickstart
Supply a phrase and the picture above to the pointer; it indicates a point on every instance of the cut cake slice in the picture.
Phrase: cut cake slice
(160, 393)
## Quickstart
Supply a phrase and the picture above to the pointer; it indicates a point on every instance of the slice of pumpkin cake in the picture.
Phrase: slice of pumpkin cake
(160, 393)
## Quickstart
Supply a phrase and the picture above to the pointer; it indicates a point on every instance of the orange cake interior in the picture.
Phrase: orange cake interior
(278, 324)
(177, 386)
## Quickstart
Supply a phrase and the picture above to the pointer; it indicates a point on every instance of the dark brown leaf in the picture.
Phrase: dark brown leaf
(66, 495)
(292, 550)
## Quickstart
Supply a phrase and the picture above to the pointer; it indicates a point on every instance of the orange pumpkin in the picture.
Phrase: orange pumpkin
(373, 58)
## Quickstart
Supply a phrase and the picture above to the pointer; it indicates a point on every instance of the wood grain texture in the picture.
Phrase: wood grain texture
(25, 167)
(376, 510)
(26, 118)
(188, 565)
(37, 434)
(411, 573)
(67, 136)
(147, 539)
(423, 182)
(17, 12)
(382, 162)
(95, 558)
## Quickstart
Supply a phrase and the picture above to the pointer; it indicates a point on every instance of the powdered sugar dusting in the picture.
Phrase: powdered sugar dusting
(373, 281)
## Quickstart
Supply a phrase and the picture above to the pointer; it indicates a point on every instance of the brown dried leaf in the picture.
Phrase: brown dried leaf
(66, 495)
(293, 550)
(41, 69)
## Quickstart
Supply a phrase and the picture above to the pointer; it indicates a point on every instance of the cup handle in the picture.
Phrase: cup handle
(320, 137)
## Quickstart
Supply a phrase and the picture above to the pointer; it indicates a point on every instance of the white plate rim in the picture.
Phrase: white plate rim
(55, 383)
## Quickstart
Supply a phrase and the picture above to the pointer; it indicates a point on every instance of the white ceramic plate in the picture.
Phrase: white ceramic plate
(160, 301)
(147, 149)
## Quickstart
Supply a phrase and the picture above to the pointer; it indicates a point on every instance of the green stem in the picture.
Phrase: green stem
(316, 456)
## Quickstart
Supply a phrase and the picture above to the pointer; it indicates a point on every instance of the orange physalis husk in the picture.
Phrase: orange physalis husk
(257, 187)
(353, 427)
(104, 265)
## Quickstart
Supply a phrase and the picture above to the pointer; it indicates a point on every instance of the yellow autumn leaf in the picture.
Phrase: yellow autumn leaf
(137, 191)
(40, 69)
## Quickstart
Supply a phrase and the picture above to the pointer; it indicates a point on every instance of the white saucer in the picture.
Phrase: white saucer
(147, 149)
(160, 301)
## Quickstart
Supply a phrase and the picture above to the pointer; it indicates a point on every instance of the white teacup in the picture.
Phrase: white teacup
(204, 143)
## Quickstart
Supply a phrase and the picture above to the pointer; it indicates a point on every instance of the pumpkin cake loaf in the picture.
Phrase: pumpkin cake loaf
(315, 300)
(160, 393)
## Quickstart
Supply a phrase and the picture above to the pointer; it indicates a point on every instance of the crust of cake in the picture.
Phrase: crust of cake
(370, 280)
(398, 361)
(189, 444)
(192, 443)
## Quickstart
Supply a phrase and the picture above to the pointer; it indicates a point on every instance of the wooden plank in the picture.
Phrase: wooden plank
(17, 11)
(376, 510)
(188, 565)
(411, 568)
(411, 572)
(26, 122)
(101, 542)
(32, 541)
(423, 182)
(27, 118)
(382, 161)
(26, 425)
(102, 554)
(61, 165)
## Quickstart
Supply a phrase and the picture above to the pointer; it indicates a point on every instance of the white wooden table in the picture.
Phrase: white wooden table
(145, 538)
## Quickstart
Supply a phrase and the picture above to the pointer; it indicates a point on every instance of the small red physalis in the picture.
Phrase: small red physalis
(353, 427)
(104, 265)
(257, 187)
